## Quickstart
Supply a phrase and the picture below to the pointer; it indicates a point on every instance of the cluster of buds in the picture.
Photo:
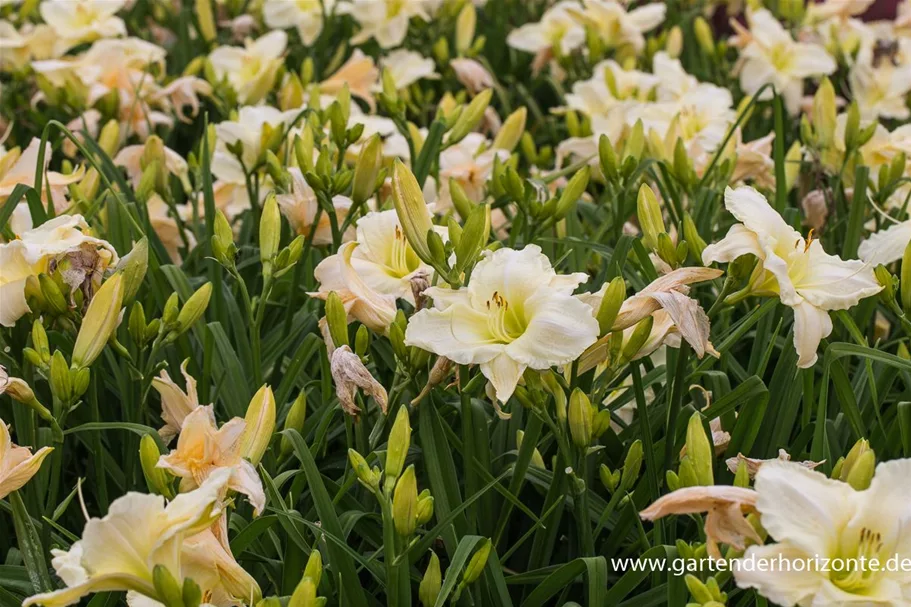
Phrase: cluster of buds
(705, 594)
(304, 594)
(697, 465)
(623, 480)
(654, 234)
(176, 319)
(896, 293)
(618, 164)
(857, 467)
(534, 199)
(171, 593)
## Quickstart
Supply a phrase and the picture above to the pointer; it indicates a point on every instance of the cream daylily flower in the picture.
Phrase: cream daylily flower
(248, 130)
(299, 206)
(797, 271)
(887, 245)
(384, 20)
(33, 253)
(772, 56)
(558, 29)
(17, 464)
(814, 517)
(515, 313)
(76, 21)
(251, 70)
(880, 85)
(470, 162)
(725, 507)
(471, 74)
(176, 404)
(203, 449)
(130, 157)
(120, 551)
(407, 67)
(618, 27)
(305, 15)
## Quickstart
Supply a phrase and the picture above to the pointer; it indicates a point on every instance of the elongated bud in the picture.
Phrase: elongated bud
(170, 310)
(411, 210)
(607, 158)
(40, 341)
(194, 308)
(824, 114)
(157, 479)
(431, 583)
(906, 280)
(314, 568)
(610, 304)
(405, 503)
(260, 425)
(699, 591)
(191, 593)
(470, 117)
(477, 563)
(460, 200)
(638, 338)
(366, 170)
(536, 459)
(109, 138)
(474, 237)
(337, 319)
(691, 235)
(270, 232)
(465, 27)
(573, 192)
(223, 247)
(704, 35)
(60, 379)
(425, 507)
(699, 451)
(610, 479)
(99, 322)
(206, 20)
(52, 294)
(852, 127)
(295, 419)
(580, 419)
(742, 476)
(369, 478)
(304, 594)
(649, 214)
(397, 450)
(674, 43)
(133, 267)
(512, 130)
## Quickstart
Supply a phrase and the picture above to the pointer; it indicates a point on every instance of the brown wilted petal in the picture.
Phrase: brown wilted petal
(727, 525)
(471, 74)
(349, 374)
(420, 281)
(689, 319)
(753, 465)
(815, 210)
(440, 371)
(643, 303)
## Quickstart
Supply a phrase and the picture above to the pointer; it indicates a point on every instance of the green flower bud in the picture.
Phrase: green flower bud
(470, 117)
(405, 503)
(425, 507)
(366, 169)
(610, 304)
(80, 377)
(474, 237)
(52, 295)
(704, 36)
(608, 478)
(314, 568)
(40, 341)
(304, 594)
(742, 476)
(337, 318)
(536, 459)
(699, 451)
(906, 280)
(157, 479)
(411, 210)
(580, 419)
(477, 563)
(364, 474)
(608, 158)
(431, 583)
(166, 587)
(223, 247)
(191, 593)
(133, 267)
(573, 192)
(694, 240)
(260, 425)
(512, 130)
(858, 467)
(465, 27)
(270, 232)
(397, 449)
(632, 465)
(99, 322)
(206, 19)
(649, 214)
(674, 43)
(295, 419)
(194, 308)
(699, 591)
(638, 338)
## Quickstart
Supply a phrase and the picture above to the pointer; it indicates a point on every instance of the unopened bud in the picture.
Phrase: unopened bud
(704, 36)
(223, 247)
(397, 449)
(580, 419)
(610, 304)
(699, 451)
(304, 594)
(405, 503)
(133, 267)
(649, 214)
(337, 319)
(638, 338)
(411, 210)
(470, 117)
(906, 280)
(365, 475)
(674, 43)
(477, 563)
(366, 169)
(632, 465)
(99, 322)
(194, 308)
(260, 425)
(573, 192)
(465, 27)
(270, 232)
(431, 583)
(512, 130)
(157, 479)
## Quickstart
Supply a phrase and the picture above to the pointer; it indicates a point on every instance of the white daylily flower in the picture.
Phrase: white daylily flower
(880, 85)
(470, 162)
(887, 245)
(130, 157)
(251, 70)
(17, 464)
(812, 516)
(384, 20)
(203, 449)
(618, 27)
(407, 67)
(247, 129)
(120, 551)
(78, 21)
(558, 29)
(305, 15)
(31, 254)
(772, 56)
(515, 313)
(797, 271)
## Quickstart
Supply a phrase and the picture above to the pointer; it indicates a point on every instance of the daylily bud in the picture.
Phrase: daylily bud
(60, 379)
(638, 338)
(852, 127)
(477, 563)
(170, 310)
(337, 319)
(425, 507)
(824, 114)
(99, 322)
(465, 27)
(857, 465)
(474, 237)
(270, 232)
(304, 594)
(699, 451)
(431, 583)
(674, 43)
(906, 280)
(632, 465)
(153, 157)
(303, 149)
(580, 419)
(672, 480)
(536, 459)
(109, 138)
(699, 591)
(437, 247)
(704, 35)
(460, 200)
(368, 477)
(610, 480)
(137, 324)
(687, 472)
(40, 341)
(206, 20)
(742, 476)
(295, 419)
(133, 267)
(691, 234)
(194, 308)
(166, 587)
(600, 423)
(573, 192)
(291, 95)
(366, 170)
(632, 149)
(260, 424)
(405, 503)
(610, 304)
(649, 215)
(470, 117)
(223, 247)
(156, 478)
(607, 157)
(411, 210)
(52, 294)
(191, 593)
(512, 130)
(397, 449)
(314, 568)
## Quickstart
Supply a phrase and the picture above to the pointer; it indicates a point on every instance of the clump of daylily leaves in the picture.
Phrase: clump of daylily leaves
(353, 302)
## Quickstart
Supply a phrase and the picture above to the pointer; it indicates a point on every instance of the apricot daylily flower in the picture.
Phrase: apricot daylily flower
(299, 206)
(202, 449)
(17, 464)
(725, 507)
(515, 313)
(797, 271)
(359, 74)
(176, 404)
(814, 517)
(121, 550)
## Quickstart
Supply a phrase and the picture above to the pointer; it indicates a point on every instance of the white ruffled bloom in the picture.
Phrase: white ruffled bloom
(407, 67)
(814, 517)
(617, 26)
(772, 56)
(384, 20)
(797, 271)
(880, 85)
(251, 69)
(76, 21)
(305, 15)
(887, 245)
(515, 313)
(558, 29)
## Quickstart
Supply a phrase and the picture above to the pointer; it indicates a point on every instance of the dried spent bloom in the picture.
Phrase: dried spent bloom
(753, 465)
(349, 374)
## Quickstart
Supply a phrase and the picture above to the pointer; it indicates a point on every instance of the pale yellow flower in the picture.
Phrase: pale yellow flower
(251, 69)
(77, 21)
(558, 29)
(305, 15)
(17, 464)
(386, 21)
